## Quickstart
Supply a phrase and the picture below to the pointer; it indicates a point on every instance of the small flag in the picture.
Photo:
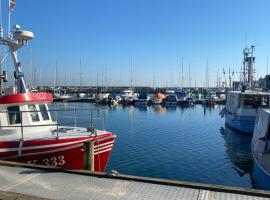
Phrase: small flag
(12, 4)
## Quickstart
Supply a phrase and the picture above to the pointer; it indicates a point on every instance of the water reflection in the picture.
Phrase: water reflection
(171, 108)
(237, 148)
(159, 109)
(142, 108)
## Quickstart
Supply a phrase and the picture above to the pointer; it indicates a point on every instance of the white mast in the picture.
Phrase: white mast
(81, 79)
(267, 65)
(55, 74)
(131, 72)
(182, 84)
(1, 25)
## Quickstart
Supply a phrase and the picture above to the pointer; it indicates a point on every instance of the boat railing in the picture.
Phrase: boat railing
(57, 119)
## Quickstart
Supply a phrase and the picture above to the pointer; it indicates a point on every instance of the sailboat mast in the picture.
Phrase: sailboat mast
(55, 74)
(182, 84)
(267, 65)
(1, 24)
(81, 79)
(189, 76)
(131, 72)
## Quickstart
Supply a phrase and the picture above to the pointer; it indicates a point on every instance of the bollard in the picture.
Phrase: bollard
(89, 158)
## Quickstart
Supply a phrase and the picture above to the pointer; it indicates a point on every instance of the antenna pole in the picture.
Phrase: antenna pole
(1, 25)
(9, 13)
(267, 65)
(131, 72)
(182, 83)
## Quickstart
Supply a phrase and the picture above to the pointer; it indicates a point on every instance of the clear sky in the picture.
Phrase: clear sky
(105, 34)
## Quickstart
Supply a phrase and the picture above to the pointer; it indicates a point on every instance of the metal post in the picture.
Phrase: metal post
(21, 125)
(91, 113)
(56, 115)
(75, 119)
(103, 120)
(89, 158)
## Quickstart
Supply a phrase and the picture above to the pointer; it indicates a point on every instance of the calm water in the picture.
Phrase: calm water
(177, 143)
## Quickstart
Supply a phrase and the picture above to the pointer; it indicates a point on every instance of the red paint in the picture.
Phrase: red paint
(67, 156)
(35, 97)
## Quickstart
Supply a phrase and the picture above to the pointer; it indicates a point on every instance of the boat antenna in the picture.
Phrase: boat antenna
(11, 6)
(131, 72)
(267, 65)
(81, 78)
(1, 25)
(182, 84)
(189, 77)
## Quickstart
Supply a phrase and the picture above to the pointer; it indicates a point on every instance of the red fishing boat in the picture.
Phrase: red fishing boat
(29, 134)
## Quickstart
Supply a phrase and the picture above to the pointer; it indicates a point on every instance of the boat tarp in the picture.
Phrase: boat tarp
(232, 102)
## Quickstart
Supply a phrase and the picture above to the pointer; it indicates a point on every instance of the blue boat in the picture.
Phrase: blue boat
(241, 109)
(242, 106)
(260, 148)
(171, 98)
(142, 100)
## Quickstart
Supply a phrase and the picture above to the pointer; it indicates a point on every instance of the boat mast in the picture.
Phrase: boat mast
(15, 40)
(81, 78)
(189, 77)
(131, 72)
(182, 83)
(248, 68)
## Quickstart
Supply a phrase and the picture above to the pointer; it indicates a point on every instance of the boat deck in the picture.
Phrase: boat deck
(45, 182)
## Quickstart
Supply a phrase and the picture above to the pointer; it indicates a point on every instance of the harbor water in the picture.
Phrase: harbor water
(188, 144)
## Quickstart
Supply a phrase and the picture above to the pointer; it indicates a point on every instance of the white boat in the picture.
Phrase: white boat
(28, 132)
(127, 96)
(102, 98)
(241, 109)
(260, 148)
(64, 96)
(242, 106)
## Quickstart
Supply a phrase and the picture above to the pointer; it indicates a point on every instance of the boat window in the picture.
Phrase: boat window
(33, 113)
(14, 115)
(44, 112)
(252, 101)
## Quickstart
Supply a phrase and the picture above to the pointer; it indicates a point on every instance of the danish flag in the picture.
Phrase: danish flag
(12, 4)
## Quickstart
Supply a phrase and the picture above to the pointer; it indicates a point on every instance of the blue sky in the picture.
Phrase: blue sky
(105, 34)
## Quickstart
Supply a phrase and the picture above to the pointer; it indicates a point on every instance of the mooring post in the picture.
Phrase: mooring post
(89, 162)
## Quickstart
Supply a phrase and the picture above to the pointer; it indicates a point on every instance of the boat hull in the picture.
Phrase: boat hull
(140, 102)
(260, 176)
(244, 124)
(170, 103)
(62, 153)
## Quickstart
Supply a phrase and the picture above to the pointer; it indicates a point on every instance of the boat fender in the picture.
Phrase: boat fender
(114, 173)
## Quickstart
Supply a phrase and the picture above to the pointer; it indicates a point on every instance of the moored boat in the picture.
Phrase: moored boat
(127, 96)
(158, 98)
(241, 109)
(28, 132)
(260, 148)
(171, 98)
(242, 106)
(141, 100)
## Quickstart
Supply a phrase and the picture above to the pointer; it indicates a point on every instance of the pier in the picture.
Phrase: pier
(24, 181)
